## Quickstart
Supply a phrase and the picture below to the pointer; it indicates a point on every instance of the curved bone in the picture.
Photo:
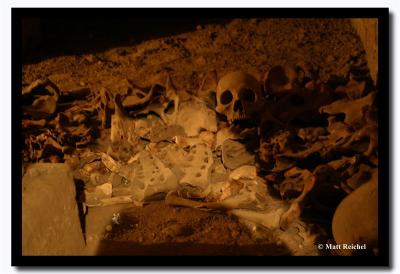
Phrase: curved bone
(352, 108)
(134, 101)
(42, 105)
(294, 211)
(157, 103)
(44, 82)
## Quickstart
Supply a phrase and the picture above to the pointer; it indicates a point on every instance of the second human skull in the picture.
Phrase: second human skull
(238, 96)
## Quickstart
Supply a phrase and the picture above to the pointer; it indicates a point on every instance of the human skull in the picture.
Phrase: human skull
(238, 96)
(280, 79)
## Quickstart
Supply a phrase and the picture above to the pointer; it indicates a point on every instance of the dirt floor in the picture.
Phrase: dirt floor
(158, 229)
(330, 47)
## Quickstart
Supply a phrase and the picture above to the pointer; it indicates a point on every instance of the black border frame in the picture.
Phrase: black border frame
(384, 138)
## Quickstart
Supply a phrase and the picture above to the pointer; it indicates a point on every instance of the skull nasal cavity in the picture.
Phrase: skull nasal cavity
(237, 106)
(226, 97)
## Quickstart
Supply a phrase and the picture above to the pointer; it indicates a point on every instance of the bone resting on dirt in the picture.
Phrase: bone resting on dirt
(292, 154)
(192, 159)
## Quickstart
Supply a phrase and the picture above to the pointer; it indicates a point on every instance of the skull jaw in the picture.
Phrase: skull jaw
(231, 115)
(237, 116)
(238, 119)
(247, 117)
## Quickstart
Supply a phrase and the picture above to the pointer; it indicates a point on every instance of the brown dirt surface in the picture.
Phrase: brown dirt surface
(159, 229)
(251, 45)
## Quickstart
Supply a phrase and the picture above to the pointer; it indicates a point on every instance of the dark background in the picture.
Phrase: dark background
(52, 36)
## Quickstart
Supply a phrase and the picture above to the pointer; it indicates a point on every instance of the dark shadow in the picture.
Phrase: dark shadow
(390, 143)
(48, 37)
(79, 189)
(126, 248)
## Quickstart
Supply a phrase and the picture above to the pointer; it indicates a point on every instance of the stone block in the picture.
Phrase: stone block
(50, 218)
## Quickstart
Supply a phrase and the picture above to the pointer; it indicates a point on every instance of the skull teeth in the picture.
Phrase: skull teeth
(238, 117)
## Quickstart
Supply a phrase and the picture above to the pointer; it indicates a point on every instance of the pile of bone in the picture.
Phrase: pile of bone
(268, 152)
(165, 144)
(168, 144)
(319, 143)
(56, 123)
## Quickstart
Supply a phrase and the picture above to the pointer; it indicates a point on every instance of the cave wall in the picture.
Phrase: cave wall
(367, 29)
(46, 37)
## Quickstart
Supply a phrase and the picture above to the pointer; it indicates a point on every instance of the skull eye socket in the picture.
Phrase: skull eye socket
(226, 97)
(248, 95)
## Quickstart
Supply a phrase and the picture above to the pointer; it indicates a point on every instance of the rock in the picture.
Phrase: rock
(367, 29)
(356, 218)
(234, 154)
(50, 220)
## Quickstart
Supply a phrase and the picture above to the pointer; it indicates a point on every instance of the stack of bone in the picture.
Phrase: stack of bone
(265, 151)
(55, 122)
